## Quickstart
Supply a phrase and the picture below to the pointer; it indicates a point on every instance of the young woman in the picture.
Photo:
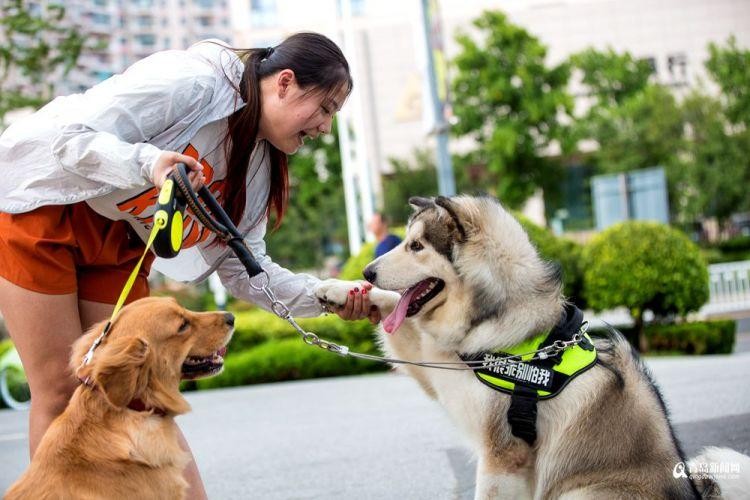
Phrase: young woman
(81, 176)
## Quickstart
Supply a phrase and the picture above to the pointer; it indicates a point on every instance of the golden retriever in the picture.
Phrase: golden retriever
(117, 437)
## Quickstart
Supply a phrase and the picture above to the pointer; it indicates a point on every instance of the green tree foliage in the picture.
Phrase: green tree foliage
(729, 67)
(508, 101)
(33, 46)
(315, 223)
(644, 130)
(610, 77)
(716, 173)
(644, 265)
(717, 165)
(409, 178)
(635, 124)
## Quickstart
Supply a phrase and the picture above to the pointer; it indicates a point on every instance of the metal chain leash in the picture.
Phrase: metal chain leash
(282, 311)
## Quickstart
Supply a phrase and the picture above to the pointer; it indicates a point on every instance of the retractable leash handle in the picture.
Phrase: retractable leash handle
(170, 207)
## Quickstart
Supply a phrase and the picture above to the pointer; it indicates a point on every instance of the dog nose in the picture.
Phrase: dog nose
(369, 274)
(229, 319)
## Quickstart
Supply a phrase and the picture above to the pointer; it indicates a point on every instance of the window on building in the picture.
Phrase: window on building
(167, 42)
(146, 40)
(100, 19)
(204, 3)
(145, 21)
(204, 21)
(263, 13)
(677, 67)
(100, 3)
(143, 3)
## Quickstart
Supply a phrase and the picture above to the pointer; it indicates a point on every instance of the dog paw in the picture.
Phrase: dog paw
(334, 292)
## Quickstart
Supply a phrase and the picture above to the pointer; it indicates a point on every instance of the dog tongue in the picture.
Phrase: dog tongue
(394, 320)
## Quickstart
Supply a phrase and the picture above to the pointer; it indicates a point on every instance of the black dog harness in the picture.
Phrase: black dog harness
(530, 380)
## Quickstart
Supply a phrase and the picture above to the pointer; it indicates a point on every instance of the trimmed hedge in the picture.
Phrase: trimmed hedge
(288, 359)
(699, 337)
(256, 327)
(695, 337)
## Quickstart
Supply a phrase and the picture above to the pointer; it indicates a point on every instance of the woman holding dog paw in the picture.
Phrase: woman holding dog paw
(81, 177)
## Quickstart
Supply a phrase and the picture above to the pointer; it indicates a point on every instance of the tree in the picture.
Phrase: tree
(714, 180)
(315, 223)
(409, 178)
(729, 66)
(508, 101)
(633, 122)
(611, 77)
(644, 265)
(33, 46)
(644, 130)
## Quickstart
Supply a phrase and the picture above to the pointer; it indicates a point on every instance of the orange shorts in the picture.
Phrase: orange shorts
(61, 249)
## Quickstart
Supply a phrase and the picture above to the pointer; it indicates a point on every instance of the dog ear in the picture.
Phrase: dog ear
(117, 370)
(456, 224)
(418, 202)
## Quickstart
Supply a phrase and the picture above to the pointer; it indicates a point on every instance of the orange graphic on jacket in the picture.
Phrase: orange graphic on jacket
(193, 231)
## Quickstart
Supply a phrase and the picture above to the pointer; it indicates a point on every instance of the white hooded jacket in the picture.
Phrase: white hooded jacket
(84, 146)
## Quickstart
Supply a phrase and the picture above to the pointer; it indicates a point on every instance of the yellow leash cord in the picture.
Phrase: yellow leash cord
(160, 222)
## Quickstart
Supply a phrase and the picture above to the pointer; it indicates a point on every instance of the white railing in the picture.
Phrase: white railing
(729, 287)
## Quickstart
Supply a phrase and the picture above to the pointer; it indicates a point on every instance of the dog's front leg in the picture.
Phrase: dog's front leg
(335, 292)
(406, 344)
(498, 482)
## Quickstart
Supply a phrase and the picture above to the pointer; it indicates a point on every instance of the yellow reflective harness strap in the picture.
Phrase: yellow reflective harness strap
(160, 222)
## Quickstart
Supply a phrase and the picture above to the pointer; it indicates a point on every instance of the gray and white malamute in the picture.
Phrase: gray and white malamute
(467, 287)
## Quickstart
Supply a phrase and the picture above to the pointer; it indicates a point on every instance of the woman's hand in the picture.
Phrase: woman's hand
(167, 162)
(358, 305)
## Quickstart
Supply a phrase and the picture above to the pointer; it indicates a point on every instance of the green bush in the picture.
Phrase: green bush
(695, 337)
(565, 252)
(355, 264)
(5, 346)
(700, 337)
(288, 359)
(17, 383)
(644, 265)
(258, 326)
(731, 250)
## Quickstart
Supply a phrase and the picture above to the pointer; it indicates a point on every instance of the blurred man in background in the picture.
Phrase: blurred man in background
(378, 226)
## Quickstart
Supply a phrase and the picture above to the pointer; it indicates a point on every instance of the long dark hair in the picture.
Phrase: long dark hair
(318, 65)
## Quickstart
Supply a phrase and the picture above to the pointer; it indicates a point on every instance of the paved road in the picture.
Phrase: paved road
(378, 437)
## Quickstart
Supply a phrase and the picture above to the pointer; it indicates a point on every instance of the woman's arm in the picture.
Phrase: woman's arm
(107, 139)
(295, 290)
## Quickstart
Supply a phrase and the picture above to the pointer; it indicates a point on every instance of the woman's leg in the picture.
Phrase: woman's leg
(94, 312)
(43, 328)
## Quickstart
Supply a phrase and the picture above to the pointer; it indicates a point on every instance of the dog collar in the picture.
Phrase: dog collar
(530, 379)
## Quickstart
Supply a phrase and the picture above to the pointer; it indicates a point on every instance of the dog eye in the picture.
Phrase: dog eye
(415, 246)
(184, 326)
